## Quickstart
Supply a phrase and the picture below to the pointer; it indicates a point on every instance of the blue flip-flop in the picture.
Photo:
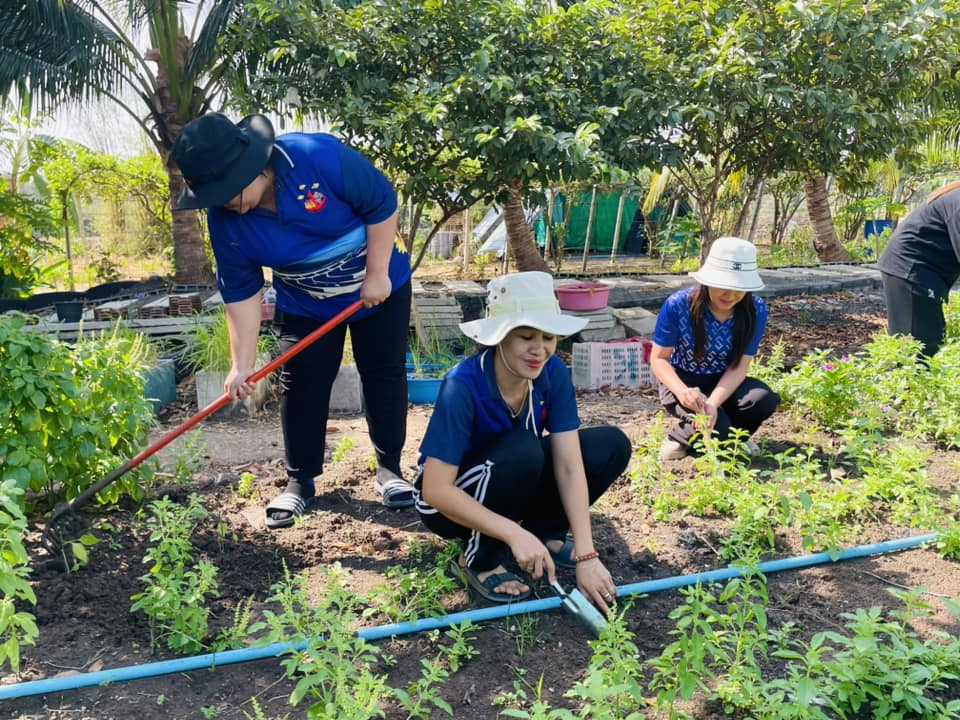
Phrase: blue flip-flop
(564, 556)
(486, 588)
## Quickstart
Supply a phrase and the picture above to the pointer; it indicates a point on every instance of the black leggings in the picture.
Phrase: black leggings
(916, 311)
(379, 348)
(751, 404)
(514, 478)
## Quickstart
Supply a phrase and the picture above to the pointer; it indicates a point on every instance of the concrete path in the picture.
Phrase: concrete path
(633, 301)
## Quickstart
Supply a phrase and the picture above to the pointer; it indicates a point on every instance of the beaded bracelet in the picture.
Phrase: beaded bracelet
(586, 556)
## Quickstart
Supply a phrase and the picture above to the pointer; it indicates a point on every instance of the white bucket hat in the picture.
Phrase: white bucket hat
(731, 264)
(524, 299)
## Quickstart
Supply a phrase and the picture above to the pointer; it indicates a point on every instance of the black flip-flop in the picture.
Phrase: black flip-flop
(288, 502)
(485, 588)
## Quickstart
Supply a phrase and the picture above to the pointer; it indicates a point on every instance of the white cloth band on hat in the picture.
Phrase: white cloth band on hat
(519, 305)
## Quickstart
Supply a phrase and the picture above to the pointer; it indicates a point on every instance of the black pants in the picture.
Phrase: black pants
(915, 311)
(379, 348)
(514, 477)
(746, 409)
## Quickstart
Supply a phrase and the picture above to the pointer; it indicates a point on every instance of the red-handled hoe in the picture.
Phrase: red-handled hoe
(52, 539)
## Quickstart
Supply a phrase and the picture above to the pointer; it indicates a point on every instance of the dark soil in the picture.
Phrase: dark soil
(86, 623)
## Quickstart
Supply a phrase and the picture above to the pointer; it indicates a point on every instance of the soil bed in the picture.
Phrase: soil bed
(86, 623)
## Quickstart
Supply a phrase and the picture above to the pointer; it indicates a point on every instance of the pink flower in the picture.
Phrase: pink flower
(828, 367)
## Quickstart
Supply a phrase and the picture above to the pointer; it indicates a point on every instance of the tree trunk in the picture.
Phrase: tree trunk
(825, 240)
(190, 261)
(520, 236)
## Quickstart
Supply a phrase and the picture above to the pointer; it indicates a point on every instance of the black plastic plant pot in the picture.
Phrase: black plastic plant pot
(71, 311)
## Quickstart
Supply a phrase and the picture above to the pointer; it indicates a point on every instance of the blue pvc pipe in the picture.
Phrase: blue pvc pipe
(229, 657)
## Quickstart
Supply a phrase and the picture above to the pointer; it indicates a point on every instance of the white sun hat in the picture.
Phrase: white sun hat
(731, 264)
(524, 299)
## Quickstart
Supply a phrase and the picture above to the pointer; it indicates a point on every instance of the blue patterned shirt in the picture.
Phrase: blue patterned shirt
(675, 330)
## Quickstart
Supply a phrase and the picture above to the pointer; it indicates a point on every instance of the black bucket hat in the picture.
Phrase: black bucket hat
(218, 159)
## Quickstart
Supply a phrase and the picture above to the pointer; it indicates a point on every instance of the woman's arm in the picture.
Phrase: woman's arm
(730, 381)
(380, 240)
(593, 578)
(440, 491)
(243, 324)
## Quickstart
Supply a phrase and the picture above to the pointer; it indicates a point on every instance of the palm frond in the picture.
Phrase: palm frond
(57, 51)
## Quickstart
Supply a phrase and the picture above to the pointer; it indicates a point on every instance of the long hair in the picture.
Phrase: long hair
(744, 324)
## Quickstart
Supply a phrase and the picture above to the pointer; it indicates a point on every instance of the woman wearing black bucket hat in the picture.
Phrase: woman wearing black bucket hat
(324, 219)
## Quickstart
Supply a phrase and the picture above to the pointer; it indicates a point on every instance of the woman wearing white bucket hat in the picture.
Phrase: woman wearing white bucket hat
(489, 475)
(705, 339)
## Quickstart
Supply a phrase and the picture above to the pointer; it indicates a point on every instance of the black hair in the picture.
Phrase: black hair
(744, 324)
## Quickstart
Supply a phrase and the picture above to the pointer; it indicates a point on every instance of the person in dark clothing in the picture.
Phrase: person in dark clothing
(324, 219)
(919, 266)
(704, 342)
(505, 466)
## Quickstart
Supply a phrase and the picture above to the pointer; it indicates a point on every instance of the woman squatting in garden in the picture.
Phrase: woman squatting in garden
(705, 338)
(505, 466)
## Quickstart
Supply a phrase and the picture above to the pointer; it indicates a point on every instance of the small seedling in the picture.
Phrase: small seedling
(346, 443)
(246, 487)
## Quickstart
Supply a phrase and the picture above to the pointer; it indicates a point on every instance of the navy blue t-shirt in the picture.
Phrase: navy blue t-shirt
(316, 242)
(470, 412)
(675, 329)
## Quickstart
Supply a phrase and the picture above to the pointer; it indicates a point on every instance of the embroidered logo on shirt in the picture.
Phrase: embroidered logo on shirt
(313, 199)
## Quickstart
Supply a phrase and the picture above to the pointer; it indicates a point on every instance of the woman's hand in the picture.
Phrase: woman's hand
(692, 399)
(596, 583)
(237, 386)
(532, 555)
(707, 417)
(375, 289)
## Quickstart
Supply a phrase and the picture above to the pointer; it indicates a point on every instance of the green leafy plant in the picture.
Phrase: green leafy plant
(189, 458)
(423, 695)
(518, 705)
(331, 664)
(17, 626)
(613, 685)
(246, 486)
(178, 585)
(343, 447)
(414, 592)
(75, 412)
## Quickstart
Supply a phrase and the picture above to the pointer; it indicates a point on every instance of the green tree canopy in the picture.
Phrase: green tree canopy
(468, 99)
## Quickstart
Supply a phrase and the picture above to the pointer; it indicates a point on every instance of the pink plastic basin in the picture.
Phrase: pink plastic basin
(583, 296)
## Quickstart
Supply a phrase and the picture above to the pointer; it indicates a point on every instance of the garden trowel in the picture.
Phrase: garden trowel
(576, 603)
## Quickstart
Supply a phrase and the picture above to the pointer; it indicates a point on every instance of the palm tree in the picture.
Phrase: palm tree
(57, 51)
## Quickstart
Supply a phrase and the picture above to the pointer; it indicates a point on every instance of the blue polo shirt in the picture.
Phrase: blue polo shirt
(316, 242)
(675, 329)
(470, 412)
